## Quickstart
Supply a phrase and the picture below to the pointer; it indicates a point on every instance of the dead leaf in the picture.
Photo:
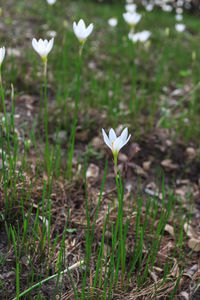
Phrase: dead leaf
(137, 169)
(122, 157)
(194, 244)
(190, 231)
(169, 165)
(146, 165)
(169, 229)
(192, 270)
(133, 149)
(97, 143)
(191, 153)
(92, 171)
(175, 272)
(82, 135)
(185, 295)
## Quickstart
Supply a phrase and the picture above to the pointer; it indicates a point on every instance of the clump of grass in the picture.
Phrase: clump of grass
(119, 243)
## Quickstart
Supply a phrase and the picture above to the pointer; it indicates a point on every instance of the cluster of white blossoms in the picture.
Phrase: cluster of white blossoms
(43, 47)
(169, 6)
(132, 18)
(142, 36)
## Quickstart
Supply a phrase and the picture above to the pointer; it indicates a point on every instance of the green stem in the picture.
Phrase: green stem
(49, 278)
(46, 119)
(120, 216)
(73, 132)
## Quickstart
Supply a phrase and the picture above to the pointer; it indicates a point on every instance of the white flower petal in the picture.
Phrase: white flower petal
(125, 142)
(49, 45)
(2, 54)
(124, 135)
(89, 29)
(117, 145)
(106, 139)
(81, 24)
(112, 135)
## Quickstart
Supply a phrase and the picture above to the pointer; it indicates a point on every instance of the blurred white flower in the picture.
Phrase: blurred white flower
(179, 3)
(167, 8)
(180, 27)
(116, 143)
(112, 22)
(2, 54)
(81, 31)
(131, 7)
(179, 17)
(179, 10)
(14, 52)
(142, 36)
(149, 7)
(51, 33)
(132, 18)
(42, 47)
(51, 2)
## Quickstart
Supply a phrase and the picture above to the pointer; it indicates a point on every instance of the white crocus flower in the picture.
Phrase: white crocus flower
(112, 22)
(81, 31)
(142, 36)
(42, 47)
(132, 18)
(167, 8)
(116, 143)
(51, 2)
(179, 17)
(2, 54)
(149, 7)
(180, 27)
(131, 8)
(179, 10)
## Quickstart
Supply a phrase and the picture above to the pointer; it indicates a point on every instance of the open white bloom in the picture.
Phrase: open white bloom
(42, 47)
(116, 143)
(132, 18)
(179, 3)
(179, 17)
(131, 8)
(139, 36)
(81, 31)
(112, 22)
(51, 2)
(180, 27)
(167, 8)
(149, 7)
(2, 54)
(179, 10)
